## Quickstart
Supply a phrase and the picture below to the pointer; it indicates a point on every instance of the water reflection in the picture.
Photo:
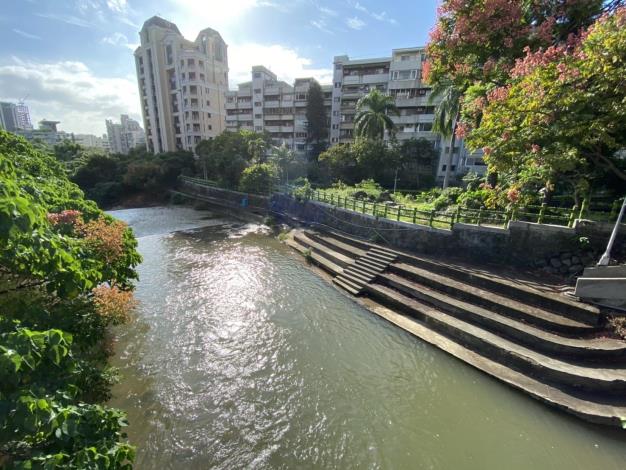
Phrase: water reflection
(242, 358)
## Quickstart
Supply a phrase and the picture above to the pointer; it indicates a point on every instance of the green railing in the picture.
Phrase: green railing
(543, 214)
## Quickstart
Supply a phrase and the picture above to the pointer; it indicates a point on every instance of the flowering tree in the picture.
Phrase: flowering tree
(563, 113)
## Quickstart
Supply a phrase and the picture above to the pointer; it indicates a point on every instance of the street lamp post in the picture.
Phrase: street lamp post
(606, 257)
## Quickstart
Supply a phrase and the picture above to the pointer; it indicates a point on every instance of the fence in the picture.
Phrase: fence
(543, 214)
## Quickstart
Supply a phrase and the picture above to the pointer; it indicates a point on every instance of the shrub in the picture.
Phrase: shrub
(258, 179)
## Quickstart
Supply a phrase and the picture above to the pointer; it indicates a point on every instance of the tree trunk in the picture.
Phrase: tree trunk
(446, 176)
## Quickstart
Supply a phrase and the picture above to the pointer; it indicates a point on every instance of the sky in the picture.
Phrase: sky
(72, 60)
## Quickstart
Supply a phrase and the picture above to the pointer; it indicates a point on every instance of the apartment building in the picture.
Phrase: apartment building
(182, 85)
(47, 133)
(266, 104)
(93, 141)
(14, 117)
(124, 136)
(8, 116)
(400, 76)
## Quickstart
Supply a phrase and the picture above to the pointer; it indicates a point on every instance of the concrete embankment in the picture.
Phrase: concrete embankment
(540, 342)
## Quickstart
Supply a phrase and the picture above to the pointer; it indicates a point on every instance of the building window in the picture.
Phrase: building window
(258, 128)
(257, 103)
(191, 62)
(337, 84)
(257, 75)
(258, 116)
(201, 63)
(257, 91)
(208, 102)
(168, 54)
(192, 75)
(210, 127)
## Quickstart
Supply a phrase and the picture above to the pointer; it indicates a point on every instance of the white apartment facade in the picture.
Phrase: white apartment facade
(124, 136)
(182, 85)
(400, 76)
(266, 104)
(93, 141)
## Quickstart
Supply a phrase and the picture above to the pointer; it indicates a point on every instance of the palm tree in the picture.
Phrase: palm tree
(372, 118)
(257, 148)
(446, 117)
(282, 156)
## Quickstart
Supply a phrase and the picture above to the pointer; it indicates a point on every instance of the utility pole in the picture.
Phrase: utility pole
(606, 257)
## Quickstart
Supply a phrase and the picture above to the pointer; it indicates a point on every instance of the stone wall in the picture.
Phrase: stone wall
(555, 249)
(551, 248)
(233, 198)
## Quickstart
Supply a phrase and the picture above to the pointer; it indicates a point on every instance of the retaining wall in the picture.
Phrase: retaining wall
(521, 243)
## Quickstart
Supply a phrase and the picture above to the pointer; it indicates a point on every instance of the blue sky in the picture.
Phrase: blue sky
(73, 58)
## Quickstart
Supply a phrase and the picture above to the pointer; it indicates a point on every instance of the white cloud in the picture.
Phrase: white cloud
(355, 23)
(284, 62)
(69, 92)
(321, 25)
(117, 5)
(382, 16)
(119, 39)
(328, 11)
(69, 19)
(196, 15)
(25, 34)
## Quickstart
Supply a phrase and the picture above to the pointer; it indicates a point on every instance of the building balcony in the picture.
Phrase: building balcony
(231, 105)
(352, 95)
(347, 125)
(244, 117)
(271, 90)
(351, 79)
(271, 104)
(286, 129)
(405, 64)
(272, 128)
(272, 117)
(416, 135)
(402, 84)
(376, 78)
(410, 102)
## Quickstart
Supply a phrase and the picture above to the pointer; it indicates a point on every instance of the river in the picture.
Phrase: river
(241, 357)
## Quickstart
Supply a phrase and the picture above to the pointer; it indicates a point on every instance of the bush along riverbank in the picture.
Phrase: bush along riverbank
(66, 274)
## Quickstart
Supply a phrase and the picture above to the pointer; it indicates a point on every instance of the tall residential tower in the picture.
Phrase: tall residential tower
(182, 85)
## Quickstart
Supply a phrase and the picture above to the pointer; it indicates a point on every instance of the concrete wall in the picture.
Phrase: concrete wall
(553, 248)
(521, 243)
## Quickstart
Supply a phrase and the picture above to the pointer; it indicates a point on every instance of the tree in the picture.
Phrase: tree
(282, 156)
(419, 158)
(226, 156)
(257, 149)
(341, 163)
(563, 114)
(372, 118)
(55, 249)
(258, 179)
(446, 118)
(317, 124)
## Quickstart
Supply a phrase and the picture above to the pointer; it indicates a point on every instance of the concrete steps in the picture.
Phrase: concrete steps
(549, 346)
(510, 288)
(588, 350)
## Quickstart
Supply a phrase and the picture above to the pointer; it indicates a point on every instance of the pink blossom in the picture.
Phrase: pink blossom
(498, 94)
(535, 148)
(506, 136)
(462, 130)
(513, 195)
(64, 217)
(487, 150)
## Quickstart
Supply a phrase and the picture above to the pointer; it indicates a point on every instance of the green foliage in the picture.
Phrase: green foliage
(578, 119)
(303, 191)
(225, 157)
(448, 197)
(52, 351)
(259, 178)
